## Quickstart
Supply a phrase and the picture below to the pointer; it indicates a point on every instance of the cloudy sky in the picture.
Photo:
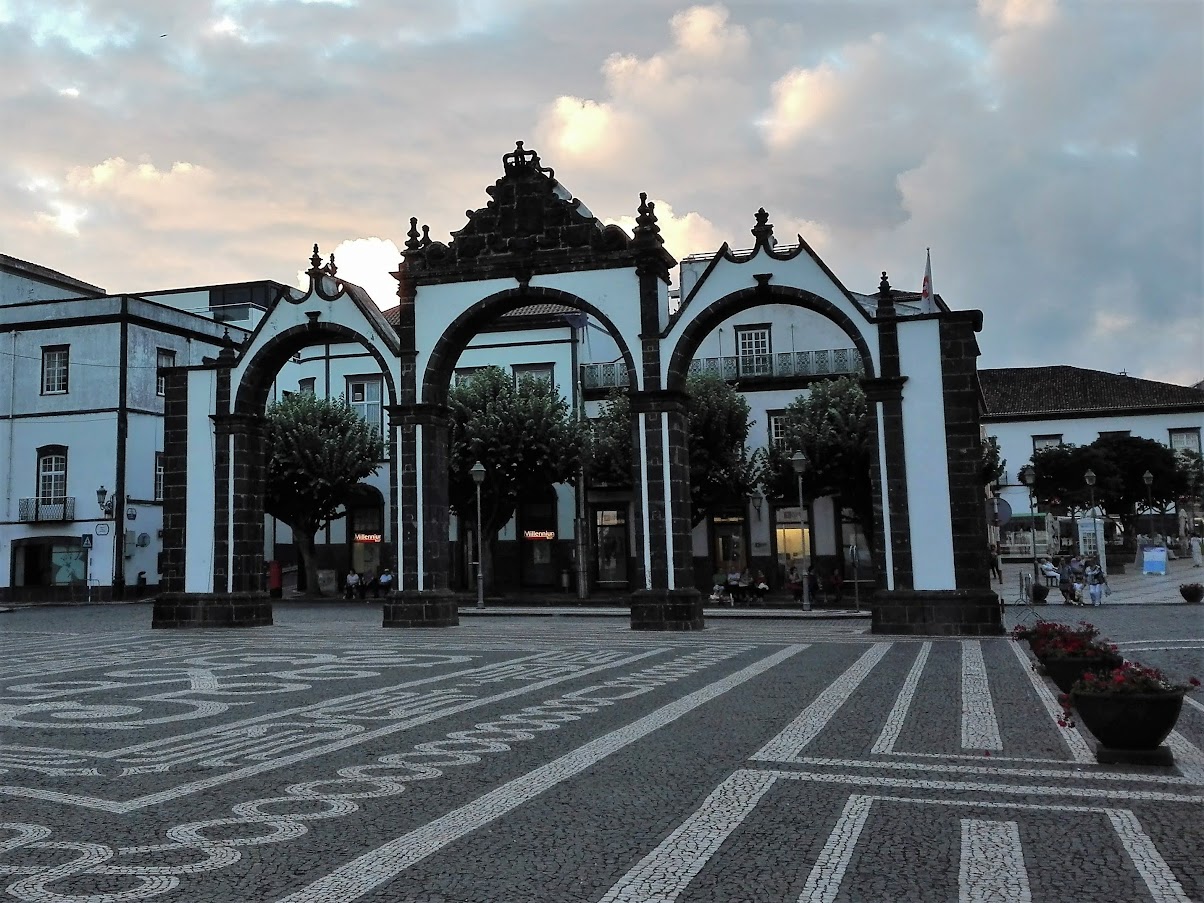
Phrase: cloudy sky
(1050, 152)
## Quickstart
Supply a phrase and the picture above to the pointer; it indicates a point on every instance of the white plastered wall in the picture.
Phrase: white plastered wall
(198, 538)
(925, 455)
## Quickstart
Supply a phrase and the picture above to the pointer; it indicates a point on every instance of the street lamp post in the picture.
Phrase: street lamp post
(1191, 501)
(799, 462)
(478, 477)
(106, 505)
(1028, 476)
(1089, 479)
(1148, 479)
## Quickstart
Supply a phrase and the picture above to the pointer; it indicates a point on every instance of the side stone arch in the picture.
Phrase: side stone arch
(251, 395)
(707, 319)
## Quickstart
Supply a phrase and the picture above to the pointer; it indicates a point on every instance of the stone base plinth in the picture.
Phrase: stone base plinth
(959, 612)
(667, 609)
(212, 610)
(1107, 755)
(413, 609)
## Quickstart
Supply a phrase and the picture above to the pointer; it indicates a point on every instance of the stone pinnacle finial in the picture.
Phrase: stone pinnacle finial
(316, 260)
(413, 243)
(763, 230)
(884, 285)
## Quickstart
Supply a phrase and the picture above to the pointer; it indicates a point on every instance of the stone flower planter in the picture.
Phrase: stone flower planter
(1129, 721)
(1064, 671)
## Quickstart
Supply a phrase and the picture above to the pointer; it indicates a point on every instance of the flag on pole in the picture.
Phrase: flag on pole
(927, 297)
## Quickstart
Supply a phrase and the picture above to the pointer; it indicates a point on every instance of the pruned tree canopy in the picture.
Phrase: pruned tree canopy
(318, 450)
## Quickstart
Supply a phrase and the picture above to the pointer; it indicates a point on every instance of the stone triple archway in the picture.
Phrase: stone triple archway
(532, 243)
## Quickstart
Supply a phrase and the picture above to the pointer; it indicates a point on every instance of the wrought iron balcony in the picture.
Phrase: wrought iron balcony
(787, 364)
(60, 509)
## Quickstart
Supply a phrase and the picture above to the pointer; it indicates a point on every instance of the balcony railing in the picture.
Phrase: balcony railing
(30, 510)
(824, 362)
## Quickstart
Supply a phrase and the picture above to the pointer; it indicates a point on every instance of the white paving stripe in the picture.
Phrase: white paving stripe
(1154, 871)
(1194, 702)
(1188, 757)
(668, 870)
(1074, 741)
(885, 744)
(824, 880)
(369, 871)
(992, 863)
(944, 767)
(867, 780)
(787, 745)
(980, 728)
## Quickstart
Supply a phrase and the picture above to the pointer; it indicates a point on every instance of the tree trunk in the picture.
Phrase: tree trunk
(304, 541)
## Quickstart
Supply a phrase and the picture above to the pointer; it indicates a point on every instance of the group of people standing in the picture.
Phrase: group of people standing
(357, 586)
(1081, 581)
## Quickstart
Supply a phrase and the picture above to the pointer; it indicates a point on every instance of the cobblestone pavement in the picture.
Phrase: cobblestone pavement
(326, 760)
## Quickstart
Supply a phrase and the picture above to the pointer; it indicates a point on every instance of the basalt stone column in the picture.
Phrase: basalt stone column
(249, 475)
(221, 483)
(963, 439)
(423, 599)
(175, 478)
(670, 602)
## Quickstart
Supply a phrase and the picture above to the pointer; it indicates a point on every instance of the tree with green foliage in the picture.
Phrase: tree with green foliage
(526, 437)
(994, 465)
(318, 450)
(1119, 464)
(830, 425)
(722, 472)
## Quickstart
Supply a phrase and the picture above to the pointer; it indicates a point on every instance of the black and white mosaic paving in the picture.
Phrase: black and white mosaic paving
(326, 760)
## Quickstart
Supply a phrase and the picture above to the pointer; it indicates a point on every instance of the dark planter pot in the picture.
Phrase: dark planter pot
(1040, 593)
(1129, 720)
(1065, 671)
(1193, 594)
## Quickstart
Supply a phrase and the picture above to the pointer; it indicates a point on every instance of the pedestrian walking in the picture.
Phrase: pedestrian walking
(1097, 581)
(1194, 544)
(996, 569)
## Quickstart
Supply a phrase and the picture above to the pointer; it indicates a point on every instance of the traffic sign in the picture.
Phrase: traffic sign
(86, 540)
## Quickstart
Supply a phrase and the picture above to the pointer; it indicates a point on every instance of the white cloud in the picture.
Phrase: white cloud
(66, 217)
(582, 130)
(689, 233)
(802, 98)
(367, 262)
(1014, 14)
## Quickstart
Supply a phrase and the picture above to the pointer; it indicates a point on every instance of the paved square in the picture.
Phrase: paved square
(326, 759)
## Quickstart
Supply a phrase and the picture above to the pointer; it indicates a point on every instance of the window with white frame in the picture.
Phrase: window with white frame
(465, 373)
(1049, 440)
(52, 474)
(158, 476)
(363, 395)
(307, 386)
(754, 350)
(777, 429)
(1186, 439)
(164, 359)
(542, 372)
(56, 361)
